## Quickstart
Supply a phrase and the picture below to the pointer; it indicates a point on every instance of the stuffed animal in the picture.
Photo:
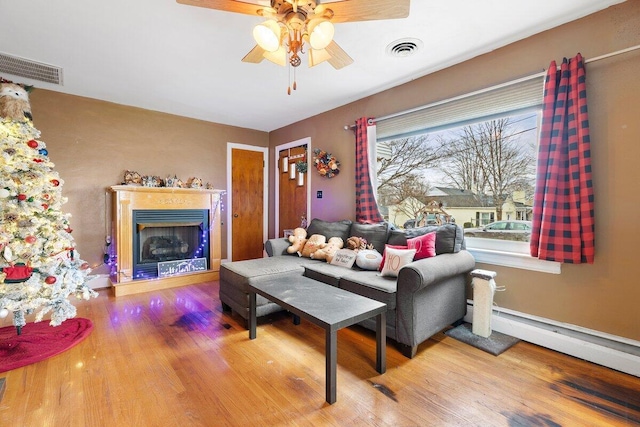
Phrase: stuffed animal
(327, 253)
(297, 239)
(356, 243)
(315, 242)
(14, 102)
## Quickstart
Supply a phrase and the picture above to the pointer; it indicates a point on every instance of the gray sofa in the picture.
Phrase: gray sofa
(427, 296)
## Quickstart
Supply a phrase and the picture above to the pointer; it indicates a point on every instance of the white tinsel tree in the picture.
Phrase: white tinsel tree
(39, 264)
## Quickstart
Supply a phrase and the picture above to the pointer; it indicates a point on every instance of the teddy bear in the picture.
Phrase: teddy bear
(297, 240)
(356, 243)
(327, 253)
(315, 242)
(14, 102)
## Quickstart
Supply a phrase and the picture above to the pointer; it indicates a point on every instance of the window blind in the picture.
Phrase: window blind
(486, 104)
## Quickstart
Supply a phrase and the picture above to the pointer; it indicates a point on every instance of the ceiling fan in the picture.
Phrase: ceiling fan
(292, 24)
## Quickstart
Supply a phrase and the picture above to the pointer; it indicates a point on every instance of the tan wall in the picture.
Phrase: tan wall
(92, 143)
(603, 296)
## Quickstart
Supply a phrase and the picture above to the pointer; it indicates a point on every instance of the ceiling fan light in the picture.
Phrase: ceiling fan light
(320, 33)
(267, 35)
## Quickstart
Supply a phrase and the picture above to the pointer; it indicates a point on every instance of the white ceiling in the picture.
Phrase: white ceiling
(185, 60)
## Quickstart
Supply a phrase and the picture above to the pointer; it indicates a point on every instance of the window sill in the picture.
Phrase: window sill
(508, 254)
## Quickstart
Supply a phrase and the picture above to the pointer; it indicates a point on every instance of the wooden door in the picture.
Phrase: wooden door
(293, 196)
(247, 210)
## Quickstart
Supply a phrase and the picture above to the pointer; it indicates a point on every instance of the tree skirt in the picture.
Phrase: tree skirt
(39, 341)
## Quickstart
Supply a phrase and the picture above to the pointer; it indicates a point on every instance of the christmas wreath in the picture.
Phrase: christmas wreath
(326, 165)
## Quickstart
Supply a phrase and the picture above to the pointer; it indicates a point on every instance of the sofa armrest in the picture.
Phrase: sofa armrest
(419, 274)
(277, 247)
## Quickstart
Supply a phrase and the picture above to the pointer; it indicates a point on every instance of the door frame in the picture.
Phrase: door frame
(304, 141)
(265, 220)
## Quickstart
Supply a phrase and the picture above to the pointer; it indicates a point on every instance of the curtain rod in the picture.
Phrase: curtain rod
(522, 79)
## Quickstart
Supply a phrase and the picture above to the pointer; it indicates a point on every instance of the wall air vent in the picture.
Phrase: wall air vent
(30, 69)
(404, 47)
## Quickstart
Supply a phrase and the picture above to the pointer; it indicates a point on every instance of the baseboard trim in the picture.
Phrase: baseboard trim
(614, 352)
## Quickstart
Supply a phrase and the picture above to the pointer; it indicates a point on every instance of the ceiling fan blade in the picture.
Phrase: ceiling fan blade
(255, 55)
(339, 57)
(366, 10)
(278, 57)
(227, 5)
(317, 56)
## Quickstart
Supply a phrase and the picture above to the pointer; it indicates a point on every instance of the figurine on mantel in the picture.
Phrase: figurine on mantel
(174, 182)
(194, 182)
(132, 178)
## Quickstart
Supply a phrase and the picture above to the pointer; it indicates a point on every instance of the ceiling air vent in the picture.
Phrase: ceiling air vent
(404, 47)
(30, 69)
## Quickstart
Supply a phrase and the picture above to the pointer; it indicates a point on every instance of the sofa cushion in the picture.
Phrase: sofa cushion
(375, 234)
(424, 245)
(238, 273)
(371, 285)
(449, 237)
(326, 273)
(330, 229)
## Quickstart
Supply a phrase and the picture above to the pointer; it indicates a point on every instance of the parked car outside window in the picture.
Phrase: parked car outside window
(500, 227)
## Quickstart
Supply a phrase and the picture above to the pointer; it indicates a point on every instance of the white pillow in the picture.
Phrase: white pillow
(368, 259)
(395, 259)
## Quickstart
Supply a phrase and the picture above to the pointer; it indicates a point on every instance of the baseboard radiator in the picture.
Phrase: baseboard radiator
(608, 350)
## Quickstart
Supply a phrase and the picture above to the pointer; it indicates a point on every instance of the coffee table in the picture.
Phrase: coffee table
(326, 306)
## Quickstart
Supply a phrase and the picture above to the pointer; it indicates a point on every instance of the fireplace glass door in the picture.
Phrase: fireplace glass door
(168, 235)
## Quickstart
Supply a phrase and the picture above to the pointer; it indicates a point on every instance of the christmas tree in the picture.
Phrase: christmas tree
(39, 264)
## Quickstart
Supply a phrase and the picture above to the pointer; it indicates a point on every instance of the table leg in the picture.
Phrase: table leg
(381, 342)
(252, 315)
(331, 361)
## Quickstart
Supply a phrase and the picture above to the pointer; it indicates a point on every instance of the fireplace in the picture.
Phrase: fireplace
(154, 225)
(168, 235)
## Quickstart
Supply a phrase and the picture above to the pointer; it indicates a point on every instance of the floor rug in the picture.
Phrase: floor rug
(39, 341)
(495, 344)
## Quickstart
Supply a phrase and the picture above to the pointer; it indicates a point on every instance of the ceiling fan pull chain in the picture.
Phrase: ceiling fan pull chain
(295, 86)
(289, 78)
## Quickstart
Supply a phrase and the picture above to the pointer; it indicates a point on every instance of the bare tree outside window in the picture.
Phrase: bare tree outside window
(489, 158)
(402, 165)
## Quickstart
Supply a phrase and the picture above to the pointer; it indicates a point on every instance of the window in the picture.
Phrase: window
(469, 160)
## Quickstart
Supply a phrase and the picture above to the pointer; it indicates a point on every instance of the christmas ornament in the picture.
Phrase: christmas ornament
(4, 313)
(55, 182)
(30, 239)
(50, 280)
(43, 151)
(22, 197)
(17, 273)
(8, 254)
(33, 143)
(4, 193)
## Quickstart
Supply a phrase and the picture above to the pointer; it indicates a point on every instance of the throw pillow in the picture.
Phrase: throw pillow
(424, 245)
(368, 259)
(395, 260)
(344, 258)
(385, 253)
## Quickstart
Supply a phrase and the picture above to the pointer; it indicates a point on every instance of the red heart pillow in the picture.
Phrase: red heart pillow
(424, 245)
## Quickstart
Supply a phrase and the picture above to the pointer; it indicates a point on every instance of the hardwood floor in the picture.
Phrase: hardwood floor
(173, 358)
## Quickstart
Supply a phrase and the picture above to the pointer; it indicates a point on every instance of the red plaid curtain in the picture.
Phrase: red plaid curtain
(563, 207)
(366, 206)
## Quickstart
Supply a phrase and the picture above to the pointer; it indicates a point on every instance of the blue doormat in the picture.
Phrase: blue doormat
(495, 344)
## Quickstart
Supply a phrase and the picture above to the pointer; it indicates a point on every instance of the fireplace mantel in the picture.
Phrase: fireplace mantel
(126, 199)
